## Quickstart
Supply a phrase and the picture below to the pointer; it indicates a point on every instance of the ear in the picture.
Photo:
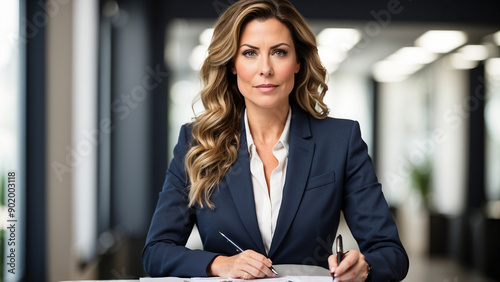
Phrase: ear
(297, 67)
(231, 66)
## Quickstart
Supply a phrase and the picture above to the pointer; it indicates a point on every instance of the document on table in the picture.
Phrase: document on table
(277, 279)
(288, 273)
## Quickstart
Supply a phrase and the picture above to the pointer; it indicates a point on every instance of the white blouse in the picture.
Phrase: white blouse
(267, 205)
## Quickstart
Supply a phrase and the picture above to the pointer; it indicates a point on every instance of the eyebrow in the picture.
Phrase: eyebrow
(272, 47)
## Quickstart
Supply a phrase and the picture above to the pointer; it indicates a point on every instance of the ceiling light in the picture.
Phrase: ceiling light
(206, 36)
(474, 52)
(342, 39)
(458, 61)
(441, 41)
(393, 71)
(198, 55)
(331, 56)
(496, 38)
(398, 67)
(492, 67)
(388, 78)
(413, 55)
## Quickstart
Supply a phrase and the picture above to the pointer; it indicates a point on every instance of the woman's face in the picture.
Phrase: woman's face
(265, 64)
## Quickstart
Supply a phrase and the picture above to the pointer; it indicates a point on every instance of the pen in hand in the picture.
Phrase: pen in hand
(339, 248)
(241, 250)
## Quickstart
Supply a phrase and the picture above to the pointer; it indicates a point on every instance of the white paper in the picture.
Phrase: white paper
(277, 279)
(288, 273)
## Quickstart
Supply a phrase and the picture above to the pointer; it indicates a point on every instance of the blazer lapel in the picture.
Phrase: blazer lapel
(299, 164)
(240, 185)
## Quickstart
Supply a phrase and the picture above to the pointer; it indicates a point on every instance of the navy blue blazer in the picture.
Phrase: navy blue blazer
(328, 171)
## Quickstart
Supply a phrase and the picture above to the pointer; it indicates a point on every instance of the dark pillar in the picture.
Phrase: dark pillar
(35, 248)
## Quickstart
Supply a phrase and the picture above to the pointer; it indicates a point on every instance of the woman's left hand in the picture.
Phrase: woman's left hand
(353, 267)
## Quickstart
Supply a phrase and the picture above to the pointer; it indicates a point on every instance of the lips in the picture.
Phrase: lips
(266, 87)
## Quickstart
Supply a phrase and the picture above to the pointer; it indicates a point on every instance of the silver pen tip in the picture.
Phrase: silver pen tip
(340, 248)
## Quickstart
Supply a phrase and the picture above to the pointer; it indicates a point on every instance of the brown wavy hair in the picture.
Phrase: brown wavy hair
(216, 132)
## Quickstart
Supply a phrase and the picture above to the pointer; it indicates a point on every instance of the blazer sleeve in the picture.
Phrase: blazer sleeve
(165, 253)
(367, 214)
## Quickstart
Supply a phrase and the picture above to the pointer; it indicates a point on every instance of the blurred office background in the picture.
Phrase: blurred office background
(93, 93)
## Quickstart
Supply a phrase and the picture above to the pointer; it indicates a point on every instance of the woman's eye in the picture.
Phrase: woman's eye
(249, 53)
(279, 52)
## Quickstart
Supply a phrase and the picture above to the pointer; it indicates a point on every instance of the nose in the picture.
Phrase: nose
(266, 67)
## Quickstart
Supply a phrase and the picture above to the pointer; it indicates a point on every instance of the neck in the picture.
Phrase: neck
(267, 125)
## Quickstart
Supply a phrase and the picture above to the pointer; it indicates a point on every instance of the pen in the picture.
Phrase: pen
(339, 248)
(241, 250)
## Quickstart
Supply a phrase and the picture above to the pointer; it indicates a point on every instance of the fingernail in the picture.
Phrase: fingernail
(332, 270)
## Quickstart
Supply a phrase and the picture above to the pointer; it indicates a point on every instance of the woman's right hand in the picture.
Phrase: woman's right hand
(246, 265)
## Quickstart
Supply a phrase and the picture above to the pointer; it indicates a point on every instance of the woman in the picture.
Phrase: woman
(265, 166)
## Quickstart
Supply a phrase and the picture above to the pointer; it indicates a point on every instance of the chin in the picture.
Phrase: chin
(270, 105)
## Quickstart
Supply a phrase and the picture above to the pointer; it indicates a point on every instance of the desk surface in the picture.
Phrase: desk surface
(126, 280)
(283, 270)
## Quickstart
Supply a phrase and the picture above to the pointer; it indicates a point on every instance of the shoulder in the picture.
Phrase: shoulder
(301, 116)
(307, 125)
(186, 132)
(185, 139)
(332, 122)
(332, 126)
